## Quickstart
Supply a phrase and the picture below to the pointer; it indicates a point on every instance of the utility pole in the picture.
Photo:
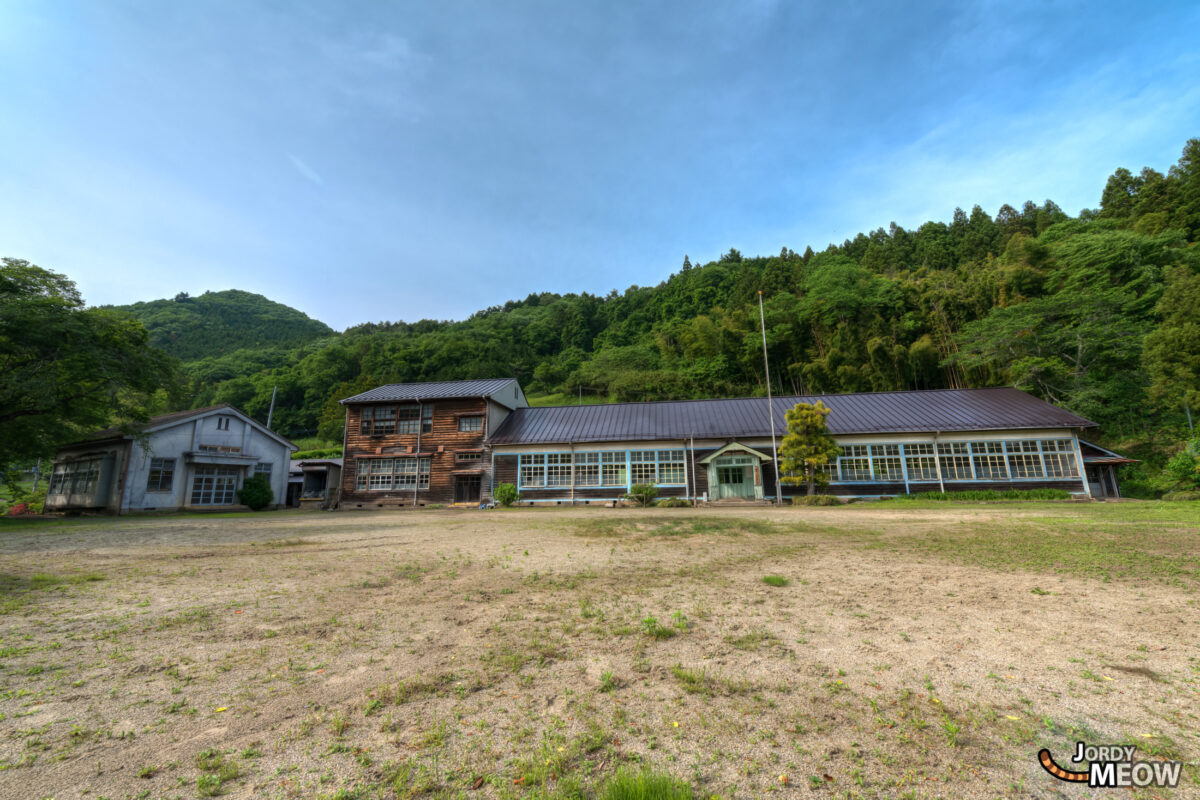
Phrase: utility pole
(271, 413)
(770, 406)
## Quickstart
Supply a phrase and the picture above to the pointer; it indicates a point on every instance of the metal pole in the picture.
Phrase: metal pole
(770, 407)
(271, 413)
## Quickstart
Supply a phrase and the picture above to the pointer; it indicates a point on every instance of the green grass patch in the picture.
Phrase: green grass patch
(627, 785)
(775, 580)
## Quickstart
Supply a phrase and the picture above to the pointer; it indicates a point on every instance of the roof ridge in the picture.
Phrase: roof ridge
(764, 397)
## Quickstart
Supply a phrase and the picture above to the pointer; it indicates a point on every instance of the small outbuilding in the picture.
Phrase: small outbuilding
(194, 459)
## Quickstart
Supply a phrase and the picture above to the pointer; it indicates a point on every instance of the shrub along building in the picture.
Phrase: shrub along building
(417, 444)
(194, 459)
(891, 443)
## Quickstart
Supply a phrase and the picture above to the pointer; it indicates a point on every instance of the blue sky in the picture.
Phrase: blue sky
(367, 161)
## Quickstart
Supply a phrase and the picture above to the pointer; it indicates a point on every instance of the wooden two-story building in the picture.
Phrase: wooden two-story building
(420, 444)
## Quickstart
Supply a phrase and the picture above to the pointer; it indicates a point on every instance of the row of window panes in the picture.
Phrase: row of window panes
(384, 474)
(386, 420)
(214, 486)
(75, 477)
(959, 461)
(662, 467)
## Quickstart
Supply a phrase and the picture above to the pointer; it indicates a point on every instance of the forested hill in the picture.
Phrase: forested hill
(216, 323)
(1096, 313)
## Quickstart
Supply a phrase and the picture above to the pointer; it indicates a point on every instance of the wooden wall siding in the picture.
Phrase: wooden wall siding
(443, 465)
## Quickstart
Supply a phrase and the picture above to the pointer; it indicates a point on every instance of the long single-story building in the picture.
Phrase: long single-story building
(712, 450)
(455, 441)
(194, 459)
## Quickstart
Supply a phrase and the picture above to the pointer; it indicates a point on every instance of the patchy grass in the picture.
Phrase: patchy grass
(925, 650)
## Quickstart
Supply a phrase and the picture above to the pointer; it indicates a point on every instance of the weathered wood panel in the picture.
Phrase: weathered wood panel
(439, 445)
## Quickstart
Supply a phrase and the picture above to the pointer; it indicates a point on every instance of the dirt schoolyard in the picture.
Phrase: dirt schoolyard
(875, 650)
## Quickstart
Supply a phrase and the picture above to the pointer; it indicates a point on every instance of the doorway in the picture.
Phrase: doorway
(466, 489)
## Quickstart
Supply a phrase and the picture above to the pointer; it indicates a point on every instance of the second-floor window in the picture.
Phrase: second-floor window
(386, 420)
(470, 424)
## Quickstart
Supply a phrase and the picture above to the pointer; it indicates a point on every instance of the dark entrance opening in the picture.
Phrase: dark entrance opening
(466, 489)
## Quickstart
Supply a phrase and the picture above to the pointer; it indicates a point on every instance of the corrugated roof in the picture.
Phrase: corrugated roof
(154, 422)
(878, 412)
(440, 390)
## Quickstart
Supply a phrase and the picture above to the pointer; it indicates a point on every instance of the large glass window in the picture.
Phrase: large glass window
(886, 460)
(383, 474)
(1024, 460)
(1059, 455)
(162, 475)
(921, 464)
(558, 469)
(671, 467)
(642, 467)
(855, 463)
(989, 461)
(214, 486)
(956, 461)
(75, 477)
(533, 470)
(587, 469)
(612, 468)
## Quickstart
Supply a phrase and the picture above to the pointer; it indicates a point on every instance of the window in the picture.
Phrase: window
(385, 421)
(263, 468)
(468, 457)
(558, 469)
(1059, 456)
(671, 467)
(886, 458)
(470, 424)
(75, 477)
(162, 474)
(989, 461)
(921, 466)
(956, 461)
(642, 466)
(426, 419)
(218, 448)
(223, 423)
(1024, 460)
(612, 468)
(385, 474)
(855, 465)
(214, 486)
(587, 469)
(533, 470)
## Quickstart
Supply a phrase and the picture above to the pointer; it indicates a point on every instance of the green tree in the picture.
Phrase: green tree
(807, 446)
(1172, 353)
(66, 369)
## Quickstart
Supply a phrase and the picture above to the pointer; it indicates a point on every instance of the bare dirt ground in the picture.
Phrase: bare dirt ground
(913, 650)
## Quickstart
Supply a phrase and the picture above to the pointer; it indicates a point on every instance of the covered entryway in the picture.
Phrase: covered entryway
(735, 473)
(466, 488)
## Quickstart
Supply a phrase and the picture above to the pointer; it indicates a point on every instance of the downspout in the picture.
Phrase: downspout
(937, 461)
(487, 415)
(420, 425)
(342, 476)
(694, 484)
(572, 446)
(904, 468)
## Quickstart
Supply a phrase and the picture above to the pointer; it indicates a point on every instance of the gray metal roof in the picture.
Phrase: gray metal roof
(878, 412)
(440, 390)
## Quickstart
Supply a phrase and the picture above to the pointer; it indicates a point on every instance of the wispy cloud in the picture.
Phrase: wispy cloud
(305, 170)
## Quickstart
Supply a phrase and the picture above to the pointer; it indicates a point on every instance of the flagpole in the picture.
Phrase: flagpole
(770, 407)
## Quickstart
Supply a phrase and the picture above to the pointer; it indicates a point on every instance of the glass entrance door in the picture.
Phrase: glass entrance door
(735, 477)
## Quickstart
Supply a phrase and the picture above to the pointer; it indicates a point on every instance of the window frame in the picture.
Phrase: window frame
(165, 479)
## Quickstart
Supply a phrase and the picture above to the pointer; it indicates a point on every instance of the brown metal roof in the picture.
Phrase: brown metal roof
(877, 412)
(440, 390)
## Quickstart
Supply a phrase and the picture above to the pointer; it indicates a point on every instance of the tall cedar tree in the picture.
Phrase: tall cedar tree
(807, 446)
